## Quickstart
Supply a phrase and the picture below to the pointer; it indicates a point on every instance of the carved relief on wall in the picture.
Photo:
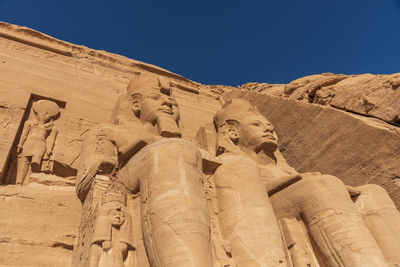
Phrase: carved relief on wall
(37, 140)
(10, 118)
(34, 141)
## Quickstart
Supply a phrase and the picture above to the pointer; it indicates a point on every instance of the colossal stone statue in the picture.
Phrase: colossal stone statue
(257, 193)
(323, 202)
(167, 172)
(247, 220)
(37, 139)
(144, 115)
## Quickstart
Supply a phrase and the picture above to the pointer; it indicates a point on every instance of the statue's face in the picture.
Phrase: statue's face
(43, 117)
(155, 104)
(116, 217)
(257, 132)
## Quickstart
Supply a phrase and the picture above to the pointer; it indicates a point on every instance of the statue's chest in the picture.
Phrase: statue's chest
(40, 130)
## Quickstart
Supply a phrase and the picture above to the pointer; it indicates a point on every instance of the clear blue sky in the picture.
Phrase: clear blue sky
(228, 42)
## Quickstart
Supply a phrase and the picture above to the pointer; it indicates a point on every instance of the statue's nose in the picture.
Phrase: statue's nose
(269, 129)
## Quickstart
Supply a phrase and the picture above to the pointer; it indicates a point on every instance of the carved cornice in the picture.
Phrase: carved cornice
(43, 41)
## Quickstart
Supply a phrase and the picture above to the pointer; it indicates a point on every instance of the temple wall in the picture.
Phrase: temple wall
(40, 221)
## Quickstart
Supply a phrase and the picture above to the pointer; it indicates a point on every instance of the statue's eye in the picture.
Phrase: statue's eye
(255, 124)
(156, 97)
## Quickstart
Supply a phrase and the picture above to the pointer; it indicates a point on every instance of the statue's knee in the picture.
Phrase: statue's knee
(322, 183)
(325, 192)
(36, 163)
(375, 195)
(372, 189)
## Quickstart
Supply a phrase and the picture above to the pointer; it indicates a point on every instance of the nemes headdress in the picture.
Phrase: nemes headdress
(234, 109)
(145, 81)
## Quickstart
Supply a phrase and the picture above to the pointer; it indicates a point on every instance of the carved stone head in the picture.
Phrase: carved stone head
(116, 216)
(113, 213)
(45, 110)
(240, 125)
(114, 203)
(154, 104)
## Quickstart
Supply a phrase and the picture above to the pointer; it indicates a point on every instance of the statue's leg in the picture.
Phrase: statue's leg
(36, 163)
(245, 214)
(383, 220)
(174, 211)
(22, 169)
(95, 252)
(334, 223)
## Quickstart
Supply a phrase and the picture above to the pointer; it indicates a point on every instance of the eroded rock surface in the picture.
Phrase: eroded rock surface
(39, 225)
(367, 94)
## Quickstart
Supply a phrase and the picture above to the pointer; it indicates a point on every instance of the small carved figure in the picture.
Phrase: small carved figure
(37, 139)
(112, 243)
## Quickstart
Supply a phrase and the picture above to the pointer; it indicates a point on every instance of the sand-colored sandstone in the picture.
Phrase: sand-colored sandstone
(165, 177)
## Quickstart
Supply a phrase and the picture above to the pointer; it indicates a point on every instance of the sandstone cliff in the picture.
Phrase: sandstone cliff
(371, 95)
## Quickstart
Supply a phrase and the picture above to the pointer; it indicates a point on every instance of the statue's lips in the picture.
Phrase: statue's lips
(269, 135)
(166, 110)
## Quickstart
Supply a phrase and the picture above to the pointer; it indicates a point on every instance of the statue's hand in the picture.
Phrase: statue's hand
(106, 245)
(47, 154)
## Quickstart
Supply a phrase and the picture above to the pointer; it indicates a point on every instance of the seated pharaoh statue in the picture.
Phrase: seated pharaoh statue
(255, 186)
(141, 155)
(141, 152)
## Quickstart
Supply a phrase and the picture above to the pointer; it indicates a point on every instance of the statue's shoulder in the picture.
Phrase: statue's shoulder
(233, 160)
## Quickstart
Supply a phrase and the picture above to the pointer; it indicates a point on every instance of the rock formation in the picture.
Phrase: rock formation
(370, 95)
(107, 161)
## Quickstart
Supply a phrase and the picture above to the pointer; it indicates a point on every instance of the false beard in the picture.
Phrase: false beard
(168, 127)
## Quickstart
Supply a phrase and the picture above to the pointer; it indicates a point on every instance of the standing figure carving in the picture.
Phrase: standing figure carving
(37, 139)
(112, 243)
(323, 202)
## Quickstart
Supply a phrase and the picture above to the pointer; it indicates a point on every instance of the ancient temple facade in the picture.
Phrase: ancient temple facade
(108, 161)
